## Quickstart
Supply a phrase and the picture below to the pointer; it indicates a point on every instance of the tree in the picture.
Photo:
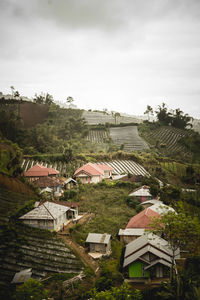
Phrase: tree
(163, 116)
(123, 292)
(179, 120)
(70, 100)
(48, 99)
(180, 230)
(12, 90)
(116, 115)
(31, 290)
(39, 99)
(149, 111)
(16, 94)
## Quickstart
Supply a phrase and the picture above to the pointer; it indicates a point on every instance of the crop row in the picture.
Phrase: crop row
(60, 166)
(128, 137)
(168, 138)
(127, 166)
(102, 118)
(23, 247)
(97, 136)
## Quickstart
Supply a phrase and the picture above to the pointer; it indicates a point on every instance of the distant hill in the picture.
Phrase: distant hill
(98, 117)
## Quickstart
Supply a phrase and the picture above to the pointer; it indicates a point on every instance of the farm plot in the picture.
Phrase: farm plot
(97, 136)
(60, 166)
(10, 202)
(127, 166)
(129, 137)
(24, 247)
(168, 137)
(101, 118)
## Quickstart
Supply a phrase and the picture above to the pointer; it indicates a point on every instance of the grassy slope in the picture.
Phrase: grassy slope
(107, 202)
(25, 247)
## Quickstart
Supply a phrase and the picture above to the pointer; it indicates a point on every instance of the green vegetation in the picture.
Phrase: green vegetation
(106, 203)
(122, 293)
(31, 290)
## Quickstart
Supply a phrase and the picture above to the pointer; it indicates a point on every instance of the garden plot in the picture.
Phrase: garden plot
(97, 136)
(45, 254)
(29, 163)
(129, 137)
(127, 166)
(168, 137)
(10, 202)
(101, 118)
(24, 247)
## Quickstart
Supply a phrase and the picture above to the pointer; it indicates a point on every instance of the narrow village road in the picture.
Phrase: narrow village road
(77, 249)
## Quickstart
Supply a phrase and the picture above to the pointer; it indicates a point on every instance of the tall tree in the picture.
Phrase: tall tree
(116, 115)
(70, 100)
(149, 111)
(181, 120)
(163, 116)
(12, 90)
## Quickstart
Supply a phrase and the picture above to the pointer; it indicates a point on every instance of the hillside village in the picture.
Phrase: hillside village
(89, 208)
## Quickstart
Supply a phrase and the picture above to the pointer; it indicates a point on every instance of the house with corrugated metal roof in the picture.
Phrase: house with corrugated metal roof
(54, 183)
(93, 173)
(48, 215)
(99, 243)
(148, 257)
(139, 223)
(142, 193)
(38, 171)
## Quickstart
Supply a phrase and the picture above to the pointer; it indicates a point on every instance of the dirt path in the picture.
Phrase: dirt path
(79, 250)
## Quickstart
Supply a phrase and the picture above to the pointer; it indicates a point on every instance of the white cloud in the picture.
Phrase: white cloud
(117, 54)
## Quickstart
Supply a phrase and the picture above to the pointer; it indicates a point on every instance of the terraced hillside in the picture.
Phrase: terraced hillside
(166, 138)
(60, 166)
(102, 118)
(97, 136)
(127, 166)
(129, 137)
(10, 202)
(24, 247)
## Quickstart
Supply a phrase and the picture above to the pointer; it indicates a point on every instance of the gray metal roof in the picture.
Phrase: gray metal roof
(141, 192)
(148, 243)
(131, 231)
(22, 276)
(69, 180)
(162, 209)
(152, 201)
(46, 211)
(98, 238)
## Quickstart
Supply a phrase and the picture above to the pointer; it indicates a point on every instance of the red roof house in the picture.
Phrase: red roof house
(93, 173)
(38, 171)
(143, 219)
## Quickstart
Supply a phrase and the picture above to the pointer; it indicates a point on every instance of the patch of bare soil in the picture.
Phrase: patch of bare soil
(79, 250)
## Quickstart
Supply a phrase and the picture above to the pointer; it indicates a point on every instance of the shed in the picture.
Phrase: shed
(22, 276)
(99, 242)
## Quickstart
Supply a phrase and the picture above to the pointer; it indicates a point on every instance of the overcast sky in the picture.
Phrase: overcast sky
(117, 54)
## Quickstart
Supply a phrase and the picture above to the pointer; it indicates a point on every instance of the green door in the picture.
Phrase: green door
(136, 270)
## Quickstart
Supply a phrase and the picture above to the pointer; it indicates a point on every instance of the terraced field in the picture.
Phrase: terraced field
(129, 137)
(127, 166)
(168, 137)
(60, 166)
(101, 118)
(97, 136)
(24, 247)
(10, 202)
